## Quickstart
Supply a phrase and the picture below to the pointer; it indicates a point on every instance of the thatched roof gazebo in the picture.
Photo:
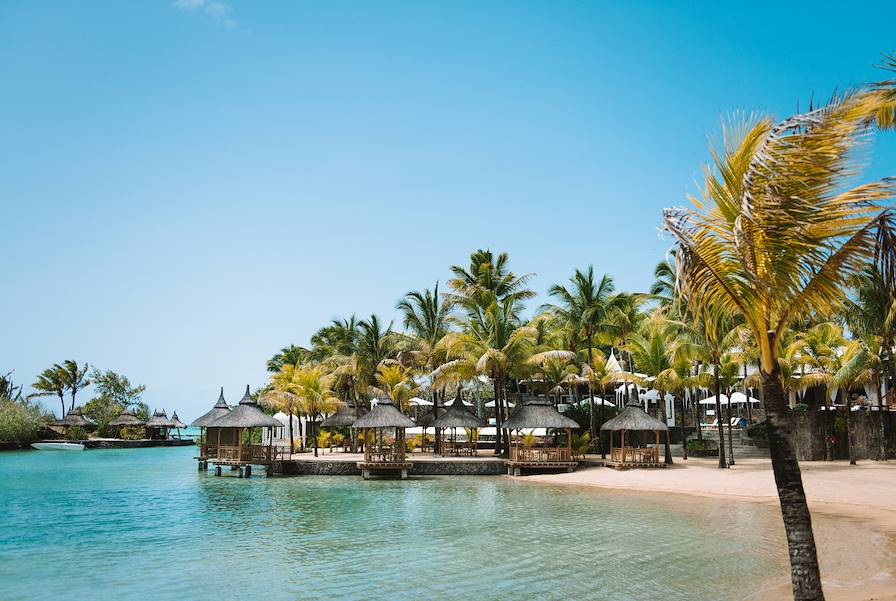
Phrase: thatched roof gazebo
(73, 419)
(539, 412)
(344, 417)
(157, 426)
(457, 416)
(208, 447)
(229, 441)
(382, 454)
(634, 419)
(127, 419)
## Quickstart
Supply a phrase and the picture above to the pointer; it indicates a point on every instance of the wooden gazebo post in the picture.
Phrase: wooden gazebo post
(622, 444)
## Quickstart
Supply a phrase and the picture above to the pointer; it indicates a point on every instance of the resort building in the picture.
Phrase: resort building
(72, 419)
(126, 419)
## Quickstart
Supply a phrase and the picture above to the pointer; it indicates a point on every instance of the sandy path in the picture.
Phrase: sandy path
(854, 509)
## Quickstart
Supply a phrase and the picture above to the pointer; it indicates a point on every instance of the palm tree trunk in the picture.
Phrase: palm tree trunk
(662, 402)
(882, 452)
(498, 417)
(600, 439)
(684, 429)
(592, 430)
(506, 408)
(730, 436)
(292, 444)
(62, 400)
(849, 449)
(719, 426)
(804, 573)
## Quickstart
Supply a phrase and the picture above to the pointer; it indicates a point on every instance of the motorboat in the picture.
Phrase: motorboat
(58, 446)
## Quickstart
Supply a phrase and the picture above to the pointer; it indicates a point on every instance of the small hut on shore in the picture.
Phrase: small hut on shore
(381, 452)
(175, 423)
(636, 431)
(234, 439)
(208, 447)
(457, 416)
(72, 419)
(157, 426)
(345, 417)
(126, 419)
(539, 412)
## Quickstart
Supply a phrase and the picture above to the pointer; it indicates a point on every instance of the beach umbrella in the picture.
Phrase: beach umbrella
(723, 400)
(597, 401)
(491, 404)
(417, 401)
(739, 398)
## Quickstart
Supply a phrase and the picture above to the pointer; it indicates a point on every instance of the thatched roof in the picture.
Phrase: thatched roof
(245, 415)
(458, 416)
(344, 416)
(633, 418)
(538, 413)
(384, 415)
(159, 419)
(219, 410)
(174, 422)
(73, 419)
(127, 418)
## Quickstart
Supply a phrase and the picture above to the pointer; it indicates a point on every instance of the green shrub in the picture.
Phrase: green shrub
(703, 447)
(20, 420)
(132, 433)
(75, 433)
(800, 407)
(758, 431)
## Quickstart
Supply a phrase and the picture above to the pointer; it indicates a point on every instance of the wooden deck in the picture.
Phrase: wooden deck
(373, 468)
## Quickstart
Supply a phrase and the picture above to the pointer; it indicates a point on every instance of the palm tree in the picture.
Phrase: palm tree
(375, 343)
(50, 382)
(486, 280)
(312, 386)
(396, 382)
(339, 338)
(281, 395)
(288, 355)
(74, 377)
(585, 307)
(774, 239)
(492, 344)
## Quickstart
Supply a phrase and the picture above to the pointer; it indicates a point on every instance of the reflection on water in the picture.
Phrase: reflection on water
(143, 522)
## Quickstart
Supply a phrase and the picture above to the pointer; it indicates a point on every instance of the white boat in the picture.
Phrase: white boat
(58, 446)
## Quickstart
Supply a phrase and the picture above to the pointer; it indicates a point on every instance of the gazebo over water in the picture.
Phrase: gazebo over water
(632, 419)
(231, 448)
(157, 426)
(539, 412)
(208, 446)
(382, 454)
(457, 416)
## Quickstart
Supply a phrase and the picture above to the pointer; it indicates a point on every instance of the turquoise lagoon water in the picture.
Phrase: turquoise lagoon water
(143, 523)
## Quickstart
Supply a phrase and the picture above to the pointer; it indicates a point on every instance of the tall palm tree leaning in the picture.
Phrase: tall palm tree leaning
(585, 306)
(775, 238)
(74, 376)
(49, 383)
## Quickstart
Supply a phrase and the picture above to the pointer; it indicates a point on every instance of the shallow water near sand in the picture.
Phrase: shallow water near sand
(143, 523)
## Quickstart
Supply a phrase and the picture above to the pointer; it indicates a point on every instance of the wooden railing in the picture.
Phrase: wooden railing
(251, 453)
(540, 454)
(458, 449)
(384, 455)
(635, 455)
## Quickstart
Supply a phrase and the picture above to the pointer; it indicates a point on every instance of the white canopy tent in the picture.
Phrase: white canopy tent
(597, 401)
(723, 400)
(417, 401)
(491, 404)
(739, 398)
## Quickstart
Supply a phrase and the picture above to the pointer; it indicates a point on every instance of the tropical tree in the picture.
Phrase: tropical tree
(775, 237)
(375, 343)
(396, 382)
(74, 376)
(313, 387)
(280, 395)
(288, 355)
(585, 306)
(8, 389)
(50, 382)
(113, 393)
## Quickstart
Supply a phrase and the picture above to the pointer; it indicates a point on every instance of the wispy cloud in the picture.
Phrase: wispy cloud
(220, 12)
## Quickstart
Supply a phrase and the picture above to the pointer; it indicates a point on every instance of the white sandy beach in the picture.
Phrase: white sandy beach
(854, 511)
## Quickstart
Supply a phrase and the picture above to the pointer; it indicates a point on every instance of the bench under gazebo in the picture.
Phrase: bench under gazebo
(636, 431)
(535, 413)
(126, 419)
(232, 451)
(382, 455)
(345, 417)
(72, 419)
(208, 446)
(457, 416)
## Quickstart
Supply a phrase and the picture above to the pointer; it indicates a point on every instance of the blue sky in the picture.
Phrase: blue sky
(188, 186)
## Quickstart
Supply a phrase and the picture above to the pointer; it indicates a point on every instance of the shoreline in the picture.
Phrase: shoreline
(858, 562)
